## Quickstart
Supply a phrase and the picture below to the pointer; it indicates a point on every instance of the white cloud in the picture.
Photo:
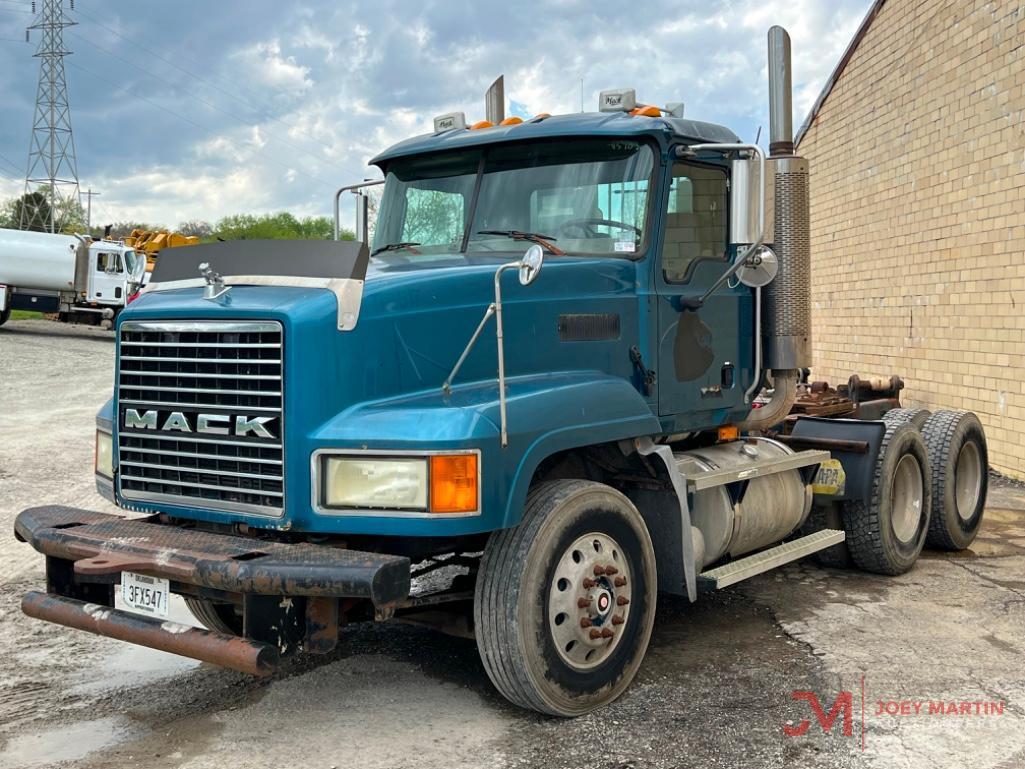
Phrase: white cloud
(270, 68)
(299, 113)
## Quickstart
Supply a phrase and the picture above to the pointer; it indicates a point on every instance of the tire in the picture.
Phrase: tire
(886, 533)
(828, 516)
(960, 480)
(5, 315)
(531, 575)
(916, 417)
(220, 617)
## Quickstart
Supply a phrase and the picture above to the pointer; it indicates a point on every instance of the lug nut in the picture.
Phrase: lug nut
(588, 583)
(617, 620)
(598, 570)
(619, 581)
(622, 600)
(585, 622)
(607, 632)
(583, 603)
(596, 634)
(610, 570)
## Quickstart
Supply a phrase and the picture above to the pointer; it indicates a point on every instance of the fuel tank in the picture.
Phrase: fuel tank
(769, 508)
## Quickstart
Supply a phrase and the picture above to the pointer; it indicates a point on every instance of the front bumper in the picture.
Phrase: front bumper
(289, 592)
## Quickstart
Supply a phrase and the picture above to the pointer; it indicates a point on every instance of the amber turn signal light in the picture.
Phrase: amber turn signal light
(728, 433)
(454, 483)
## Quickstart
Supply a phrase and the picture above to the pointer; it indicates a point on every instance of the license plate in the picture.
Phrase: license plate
(145, 594)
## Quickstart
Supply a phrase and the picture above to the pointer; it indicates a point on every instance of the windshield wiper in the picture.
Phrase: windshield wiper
(542, 240)
(396, 247)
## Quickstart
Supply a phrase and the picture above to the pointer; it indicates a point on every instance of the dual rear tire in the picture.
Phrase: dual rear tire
(929, 489)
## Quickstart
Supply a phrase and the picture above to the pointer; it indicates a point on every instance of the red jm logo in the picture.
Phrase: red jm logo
(843, 702)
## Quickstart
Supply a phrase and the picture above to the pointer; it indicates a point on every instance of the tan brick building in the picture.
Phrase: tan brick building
(917, 150)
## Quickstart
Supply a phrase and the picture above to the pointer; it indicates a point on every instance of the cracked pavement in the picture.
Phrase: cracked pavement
(715, 688)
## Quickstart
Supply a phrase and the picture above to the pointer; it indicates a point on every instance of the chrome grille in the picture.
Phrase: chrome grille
(189, 395)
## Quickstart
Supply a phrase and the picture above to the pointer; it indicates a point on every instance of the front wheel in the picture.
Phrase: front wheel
(565, 601)
(219, 617)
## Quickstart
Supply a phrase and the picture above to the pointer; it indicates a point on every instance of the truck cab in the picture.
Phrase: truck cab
(557, 382)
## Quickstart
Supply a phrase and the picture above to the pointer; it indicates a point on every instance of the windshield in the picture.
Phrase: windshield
(590, 196)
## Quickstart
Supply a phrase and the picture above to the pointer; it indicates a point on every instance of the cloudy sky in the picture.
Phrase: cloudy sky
(197, 109)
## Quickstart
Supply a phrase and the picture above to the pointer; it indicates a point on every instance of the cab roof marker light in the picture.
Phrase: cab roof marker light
(617, 100)
(449, 122)
(482, 124)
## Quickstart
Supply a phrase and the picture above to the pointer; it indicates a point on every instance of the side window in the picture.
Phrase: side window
(433, 217)
(696, 219)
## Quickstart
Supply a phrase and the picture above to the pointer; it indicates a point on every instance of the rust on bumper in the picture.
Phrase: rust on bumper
(242, 654)
(100, 545)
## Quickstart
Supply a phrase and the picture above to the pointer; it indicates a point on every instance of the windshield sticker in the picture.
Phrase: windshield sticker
(625, 246)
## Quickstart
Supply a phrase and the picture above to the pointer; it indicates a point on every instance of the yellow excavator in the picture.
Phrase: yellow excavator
(151, 242)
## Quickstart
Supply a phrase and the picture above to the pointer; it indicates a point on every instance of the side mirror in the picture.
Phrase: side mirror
(530, 264)
(759, 269)
(748, 201)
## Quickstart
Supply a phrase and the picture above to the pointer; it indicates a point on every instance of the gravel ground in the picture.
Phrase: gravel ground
(715, 689)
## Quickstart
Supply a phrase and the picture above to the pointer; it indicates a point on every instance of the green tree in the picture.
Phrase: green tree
(279, 226)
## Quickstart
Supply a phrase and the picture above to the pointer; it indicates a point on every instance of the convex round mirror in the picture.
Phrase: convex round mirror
(530, 264)
(760, 268)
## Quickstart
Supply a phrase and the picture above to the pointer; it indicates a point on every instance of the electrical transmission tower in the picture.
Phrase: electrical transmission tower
(51, 182)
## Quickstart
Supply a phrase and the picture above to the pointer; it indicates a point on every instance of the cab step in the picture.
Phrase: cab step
(743, 568)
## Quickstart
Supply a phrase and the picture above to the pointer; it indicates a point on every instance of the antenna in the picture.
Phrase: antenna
(52, 176)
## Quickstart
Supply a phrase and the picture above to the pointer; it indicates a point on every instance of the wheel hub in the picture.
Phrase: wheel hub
(906, 497)
(589, 600)
(968, 475)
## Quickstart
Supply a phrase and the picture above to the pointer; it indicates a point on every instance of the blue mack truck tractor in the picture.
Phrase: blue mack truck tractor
(558, 383)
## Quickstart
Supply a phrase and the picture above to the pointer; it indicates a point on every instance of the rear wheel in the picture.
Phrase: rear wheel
(565, 601)
(916, 417)
(220, 617)
(886, 533)
(5, 315)
(960, 465)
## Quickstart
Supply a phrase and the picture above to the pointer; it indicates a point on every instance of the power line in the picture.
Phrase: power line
(209, 104)
(193, 123)
(261, 111)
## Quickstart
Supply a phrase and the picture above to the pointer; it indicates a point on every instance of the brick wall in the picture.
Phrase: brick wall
(918, 213)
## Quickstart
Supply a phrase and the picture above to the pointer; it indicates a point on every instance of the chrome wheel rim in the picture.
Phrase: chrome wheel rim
(589, 600)
(906, 498)
(968, 480)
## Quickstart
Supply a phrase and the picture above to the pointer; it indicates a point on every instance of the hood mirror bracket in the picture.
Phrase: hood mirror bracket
(529, 267)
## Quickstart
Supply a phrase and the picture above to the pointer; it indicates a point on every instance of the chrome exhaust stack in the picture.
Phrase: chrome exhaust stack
(786, 333)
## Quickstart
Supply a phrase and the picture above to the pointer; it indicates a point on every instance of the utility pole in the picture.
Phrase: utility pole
(52, 168)
(89, 195)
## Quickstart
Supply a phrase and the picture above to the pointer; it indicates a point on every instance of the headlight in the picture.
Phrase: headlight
(376, 482)
(104, 456)
(440, 483)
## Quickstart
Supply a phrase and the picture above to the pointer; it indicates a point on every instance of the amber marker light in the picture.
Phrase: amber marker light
(454, 483)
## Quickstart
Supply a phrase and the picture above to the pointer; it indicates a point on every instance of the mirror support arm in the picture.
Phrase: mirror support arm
(495, 308)
(741, 260)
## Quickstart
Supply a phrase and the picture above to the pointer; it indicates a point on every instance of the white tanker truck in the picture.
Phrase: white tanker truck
(82, 279)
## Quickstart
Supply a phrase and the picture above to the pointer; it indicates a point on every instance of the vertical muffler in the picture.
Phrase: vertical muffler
(787, 331)
(786, 323)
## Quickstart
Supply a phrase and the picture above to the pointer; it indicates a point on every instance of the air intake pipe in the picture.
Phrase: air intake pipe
(786, 334)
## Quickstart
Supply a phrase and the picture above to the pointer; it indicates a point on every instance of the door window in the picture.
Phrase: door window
(696, 219)
(107, 261)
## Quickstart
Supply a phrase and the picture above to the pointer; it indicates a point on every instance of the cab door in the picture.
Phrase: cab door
(106, 277)
(703, 355)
